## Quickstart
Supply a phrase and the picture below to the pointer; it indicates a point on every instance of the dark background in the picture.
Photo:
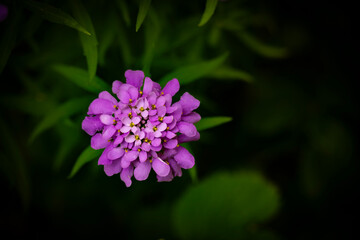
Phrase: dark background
(296, 123)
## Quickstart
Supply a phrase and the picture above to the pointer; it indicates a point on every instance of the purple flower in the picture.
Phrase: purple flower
(3, 12)
(143, 130)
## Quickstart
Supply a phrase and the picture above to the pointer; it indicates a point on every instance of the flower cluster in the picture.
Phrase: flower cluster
(143, 130)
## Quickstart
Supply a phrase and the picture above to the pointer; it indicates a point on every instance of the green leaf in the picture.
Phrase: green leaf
(261, 48)
(80, 77)
(190, 73)
(86, 156)
(209, 11)
(210, 122)
(107, 36)
(228, 73)
(143, 10)
(63, 111)
(124, 11)
(152, 33)
(225, 203)
(89, 43)
(55, 15)
(9, 35)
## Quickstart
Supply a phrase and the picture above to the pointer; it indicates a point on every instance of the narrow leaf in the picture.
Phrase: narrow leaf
(89, 43)
(86, 156)
(225, 72)
(55, 15)
(209, 11)
(261, 48)
(107, 36)
(152, 33)
(143, 9)
(124, 11)
(63, 111)
(80, 77)
(210, 122)
(188, 74)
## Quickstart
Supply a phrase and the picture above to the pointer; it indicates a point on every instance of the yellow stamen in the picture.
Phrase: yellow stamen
(153, 106)
(114, 122)
(146, 140)
(130, 100)
(141, 92)
(142, 109)
(161, 119)
(162, 93)
(119, 131)
(137, 137)
(150, 160)
(167, 162)
(154, 128)
(165, 140)
(126, 150)
(139, 150)
(178, 145)
(132, 124)
(116, 107)
(130, 115)
(167, 128)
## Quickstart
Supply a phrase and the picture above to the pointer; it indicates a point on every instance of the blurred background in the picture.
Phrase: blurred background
(284, 167)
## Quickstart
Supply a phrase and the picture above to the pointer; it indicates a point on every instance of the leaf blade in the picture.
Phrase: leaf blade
(65, 110)
(210, 122)
(86, 156)
(143, 10)
(55, 15)
(229, 73)
(209, 11)
(89, 43)
(190, 73)
(80, 77)
(262, 48)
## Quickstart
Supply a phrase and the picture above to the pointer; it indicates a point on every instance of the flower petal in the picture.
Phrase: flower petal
(130, 138)
(184, 158)
(98, 142)
(187, 128)
(103, 159)
(107, 119)
(131, 156)
(193, 117)
(124, 96)
(148, 86)
(126, 175)
(188, 103)
(172, 87)
(167, 178)
(142, 171)
(160, 167)
(175, 167)
(101, 106)
(115, 153)
(113, 168)
(91, 125)
(108, 132)
(182, 138)
(142, 156)
(170, 134)
(106, 95)
(116, 86)
(156, 142)
(170, 144)
(134, 78)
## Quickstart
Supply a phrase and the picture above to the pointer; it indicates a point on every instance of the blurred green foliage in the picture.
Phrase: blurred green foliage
(281, 101)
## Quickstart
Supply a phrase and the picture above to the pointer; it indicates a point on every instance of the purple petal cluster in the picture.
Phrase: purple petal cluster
(143, 129)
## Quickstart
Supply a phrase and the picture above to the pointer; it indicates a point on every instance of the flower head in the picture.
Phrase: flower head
(143, 130)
